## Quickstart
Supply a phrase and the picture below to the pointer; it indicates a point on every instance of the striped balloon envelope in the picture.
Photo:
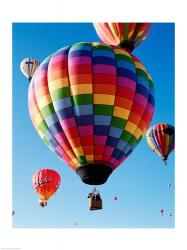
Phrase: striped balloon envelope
(161, 139)
(91, 103)
(46, 182)
(28, 67)
(125, 35)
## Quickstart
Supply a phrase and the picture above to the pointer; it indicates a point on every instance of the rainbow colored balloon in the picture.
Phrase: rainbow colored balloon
(125, 35)
(91, 103)
(161, 139)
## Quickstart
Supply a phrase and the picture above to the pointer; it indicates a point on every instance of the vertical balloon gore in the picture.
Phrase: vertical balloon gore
(94, 174)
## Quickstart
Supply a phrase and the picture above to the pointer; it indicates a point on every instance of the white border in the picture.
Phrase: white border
(85, 11)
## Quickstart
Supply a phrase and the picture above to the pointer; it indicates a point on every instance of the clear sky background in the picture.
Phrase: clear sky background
(140, 183)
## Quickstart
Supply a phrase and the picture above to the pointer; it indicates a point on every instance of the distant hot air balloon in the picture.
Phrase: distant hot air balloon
(161, 212)
(125, 35)
(28, 67)
(161, 139)
(169, 184)
(91, 103)
(13, 213)
(115, 198)
(46, 183)
(170, 214)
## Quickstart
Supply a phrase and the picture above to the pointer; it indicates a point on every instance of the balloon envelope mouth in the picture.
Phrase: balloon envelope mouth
(94, 174)
(127, 45)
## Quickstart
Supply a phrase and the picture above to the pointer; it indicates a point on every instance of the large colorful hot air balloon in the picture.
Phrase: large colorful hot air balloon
(91, 103)
(28, 67)
(161, 139)
(125, 35)
(45, 182)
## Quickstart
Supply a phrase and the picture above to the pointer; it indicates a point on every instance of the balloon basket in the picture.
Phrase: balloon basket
(95, 204)
(165, 161)
(95, 201)
(42, 202)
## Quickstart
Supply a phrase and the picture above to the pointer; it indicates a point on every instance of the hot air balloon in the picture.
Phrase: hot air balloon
(13, 213)
(161, 212)
(28, 67)
(169, 184)
(161, 139)
(91, 103)
(125, 35)
(115, 198)
(45, 182)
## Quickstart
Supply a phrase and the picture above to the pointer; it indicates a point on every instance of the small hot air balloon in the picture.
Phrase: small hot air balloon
(28, 67)
(161, 212)
(13, 213)
(170, 214)
(161, 139)
(46, 182)
(115, 198)
(124, 35)
(169, 184)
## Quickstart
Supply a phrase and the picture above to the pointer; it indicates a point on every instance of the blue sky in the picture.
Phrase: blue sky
(140, 183)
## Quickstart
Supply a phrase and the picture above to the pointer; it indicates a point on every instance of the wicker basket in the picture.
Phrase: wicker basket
(95, 204)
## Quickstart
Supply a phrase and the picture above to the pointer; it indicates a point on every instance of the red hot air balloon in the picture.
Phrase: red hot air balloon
(45, 182)
(91, 103)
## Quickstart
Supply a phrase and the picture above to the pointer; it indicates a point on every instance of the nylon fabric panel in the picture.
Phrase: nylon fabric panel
(49, 127)
(104, 103)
